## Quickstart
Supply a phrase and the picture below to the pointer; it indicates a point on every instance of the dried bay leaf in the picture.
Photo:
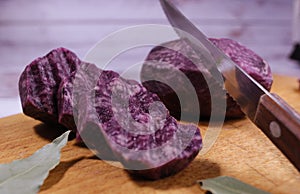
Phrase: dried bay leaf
(27, 175)
(228, 185)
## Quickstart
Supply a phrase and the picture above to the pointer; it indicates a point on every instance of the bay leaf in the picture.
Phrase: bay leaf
(27, 175)
(228, 185)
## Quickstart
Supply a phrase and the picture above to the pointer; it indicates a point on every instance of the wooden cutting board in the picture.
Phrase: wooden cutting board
(241, 151)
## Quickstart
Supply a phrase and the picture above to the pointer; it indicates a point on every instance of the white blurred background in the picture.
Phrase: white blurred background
(31, 28)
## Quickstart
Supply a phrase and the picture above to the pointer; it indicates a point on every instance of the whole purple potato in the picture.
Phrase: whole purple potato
(168, 61)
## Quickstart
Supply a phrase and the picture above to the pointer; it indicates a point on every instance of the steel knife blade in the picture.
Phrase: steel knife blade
(279, 121)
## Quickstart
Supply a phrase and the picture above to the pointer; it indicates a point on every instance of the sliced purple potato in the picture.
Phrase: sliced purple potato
(135, 127)
(171, 59)
(39, 82)
(118, 118)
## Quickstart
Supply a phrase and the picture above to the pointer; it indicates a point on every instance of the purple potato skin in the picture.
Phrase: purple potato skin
(247, 59)
(122, 121)
(39, 82)
(175, 58)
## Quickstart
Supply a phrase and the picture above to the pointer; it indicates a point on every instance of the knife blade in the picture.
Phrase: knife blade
(279, 121)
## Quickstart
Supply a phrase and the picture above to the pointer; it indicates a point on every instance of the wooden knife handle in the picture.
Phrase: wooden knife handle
(281, 123)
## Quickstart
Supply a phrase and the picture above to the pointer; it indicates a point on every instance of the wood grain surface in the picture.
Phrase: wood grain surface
(241, 151)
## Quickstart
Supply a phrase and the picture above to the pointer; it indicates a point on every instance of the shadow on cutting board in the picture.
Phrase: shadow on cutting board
(58, 172)
(50, 132)
(197, 170)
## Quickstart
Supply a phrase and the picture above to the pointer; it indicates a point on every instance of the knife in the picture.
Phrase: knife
(279, 121)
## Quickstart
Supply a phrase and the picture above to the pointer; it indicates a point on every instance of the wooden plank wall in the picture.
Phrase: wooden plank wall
(31, 28)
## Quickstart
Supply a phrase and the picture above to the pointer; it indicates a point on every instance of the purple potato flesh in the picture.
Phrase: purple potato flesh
(134, 125)
(65, 103)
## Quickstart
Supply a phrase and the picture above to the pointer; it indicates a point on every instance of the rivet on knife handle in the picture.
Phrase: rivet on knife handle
(281, 124)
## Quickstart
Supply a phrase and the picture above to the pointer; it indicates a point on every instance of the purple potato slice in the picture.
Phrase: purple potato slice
(134, 126)
(169, 61)
(39, 82)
